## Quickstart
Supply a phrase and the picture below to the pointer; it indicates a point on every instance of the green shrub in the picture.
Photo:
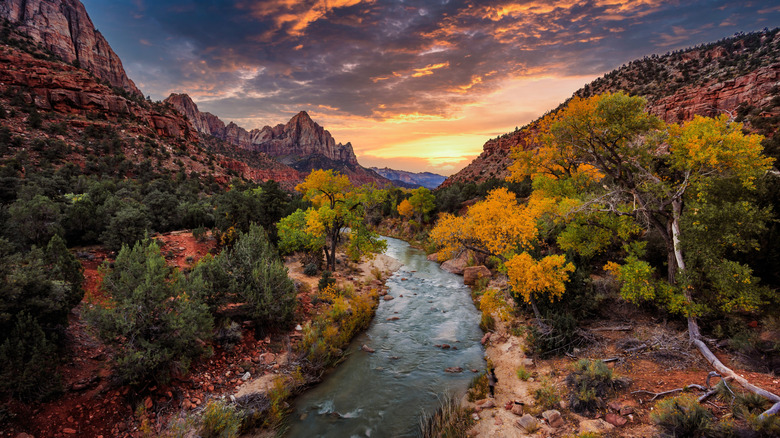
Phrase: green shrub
(28, 362)
(220, 420)
(523, 374)
(590, 382)
(547, 396)
(683, 416)
(479, 388)
(152, 324)
(310, 270)
(326, 280)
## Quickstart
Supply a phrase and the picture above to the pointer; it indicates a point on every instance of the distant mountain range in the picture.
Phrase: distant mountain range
(739, 76)
(411, 180)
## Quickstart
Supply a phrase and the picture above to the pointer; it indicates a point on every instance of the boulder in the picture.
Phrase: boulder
(597, 427)
(528, 423)
(615, 419)
(485, 338)
(473, 273)
(456, 265)
(517, 409)
(433, 257)
(553, 418)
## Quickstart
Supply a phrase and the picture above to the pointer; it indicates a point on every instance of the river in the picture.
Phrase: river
(383, 394)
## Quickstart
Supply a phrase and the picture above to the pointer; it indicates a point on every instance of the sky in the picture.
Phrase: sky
(413, 85)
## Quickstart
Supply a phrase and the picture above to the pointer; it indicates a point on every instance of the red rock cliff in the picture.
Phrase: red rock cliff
(64, 28)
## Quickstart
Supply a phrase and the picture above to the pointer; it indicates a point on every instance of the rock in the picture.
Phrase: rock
(516, 409)
(485, 338)
(298, 328)
(246, 376)
(388, 297)
(367, 349)
(433, 257)
(597, 426)
(445, 346)
(527, 362)
(527, 423)
(626, 410)
(553, 418)
(453, 370)
(393, 318)
(615, 419)
(456, 265)
(486, 403)
(475, 416)
(267, 358)
(69, 431)
(148, 403)
(473, 273)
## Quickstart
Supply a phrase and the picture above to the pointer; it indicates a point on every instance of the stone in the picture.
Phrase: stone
(393, 318)
(516, 409)
(473, 273)
(528, 423)
(69, 431)
(485, 338)
(486, 403)
(553, 418)
(267, 358)
(597, 426)
(148, 403)
(456, 265)
(367, 349)
(615, 419)
(453, 370)
(388, 297)
(433, 257)
(246, 376)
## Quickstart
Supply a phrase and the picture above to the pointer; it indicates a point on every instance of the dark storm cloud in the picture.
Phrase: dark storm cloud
(378, 59)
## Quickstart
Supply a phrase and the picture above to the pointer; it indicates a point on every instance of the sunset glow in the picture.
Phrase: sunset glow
(416, 86)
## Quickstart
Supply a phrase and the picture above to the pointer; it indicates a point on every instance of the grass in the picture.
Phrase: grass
(523, 374)
(547, 396)
(450, 420)
(590, 382)
(478, 389)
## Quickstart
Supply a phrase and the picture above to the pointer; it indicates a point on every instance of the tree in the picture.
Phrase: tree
(423, 202)
(251, 276)
(500, 227)
(624, 162)
(338, 205)
(405, 209)
(154, 326)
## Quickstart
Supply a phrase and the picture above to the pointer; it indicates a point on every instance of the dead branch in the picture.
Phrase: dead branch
(636, 349)
(619, 328)
(671, 391)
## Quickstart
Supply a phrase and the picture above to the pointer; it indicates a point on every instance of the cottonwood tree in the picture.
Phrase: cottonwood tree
(337, 206)
(627, 163)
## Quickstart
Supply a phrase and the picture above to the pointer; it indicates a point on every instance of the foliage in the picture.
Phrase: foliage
(249, 274)
(523, 374)
(547, 396)
(450, 420)
(558, 335)
(405, 209)
(153, 325)
(34, 221)
(682, 416)
(326, 280)
(590, 382)
(28, 362)
(293, 236)
(478, 388)
(337, 205)
(220, 420)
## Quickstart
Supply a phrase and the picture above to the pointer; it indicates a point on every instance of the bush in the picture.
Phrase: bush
(310, 270)
(28, 362)
(450, 420)
(683, 416)
(220, 420)
(590, 382)
(547, 396)
(326, 280)
(523, 374)
(479, 388)
(561, 337)
(153, 325)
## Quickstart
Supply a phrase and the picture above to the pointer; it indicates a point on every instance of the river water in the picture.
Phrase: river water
(383, 394)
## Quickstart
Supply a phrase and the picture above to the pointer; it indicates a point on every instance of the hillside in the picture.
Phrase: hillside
(739, 76)
(411, 179)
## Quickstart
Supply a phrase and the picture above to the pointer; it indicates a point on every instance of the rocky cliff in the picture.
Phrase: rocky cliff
(64, 28)
(738, 76)
(300, 143)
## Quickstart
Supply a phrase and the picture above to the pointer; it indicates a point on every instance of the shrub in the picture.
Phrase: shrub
(310, 270)
(153, 326)
(560, 336)
(220, 420)
(547, 396)
(589, 383)
(326, 280)
(682, 416)
(450, 420)
(487, 323)
(478, 389)
(28, 365)
(523, 374)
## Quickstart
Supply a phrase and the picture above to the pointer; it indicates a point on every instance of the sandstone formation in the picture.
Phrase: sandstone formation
(300, 143)
(64, 28)
(711, 80)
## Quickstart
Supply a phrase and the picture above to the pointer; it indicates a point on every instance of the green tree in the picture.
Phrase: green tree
(154, 326)
(34, 221)
(423, 202)
(28, 362)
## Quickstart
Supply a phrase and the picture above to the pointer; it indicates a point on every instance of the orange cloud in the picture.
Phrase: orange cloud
(428, 69)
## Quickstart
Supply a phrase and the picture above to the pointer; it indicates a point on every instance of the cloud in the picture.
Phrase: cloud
(384, 62)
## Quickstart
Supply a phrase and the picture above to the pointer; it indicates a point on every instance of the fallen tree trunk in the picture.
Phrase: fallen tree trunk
(726, 372)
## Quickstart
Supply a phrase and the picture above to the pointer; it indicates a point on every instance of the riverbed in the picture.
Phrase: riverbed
(383, 394)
